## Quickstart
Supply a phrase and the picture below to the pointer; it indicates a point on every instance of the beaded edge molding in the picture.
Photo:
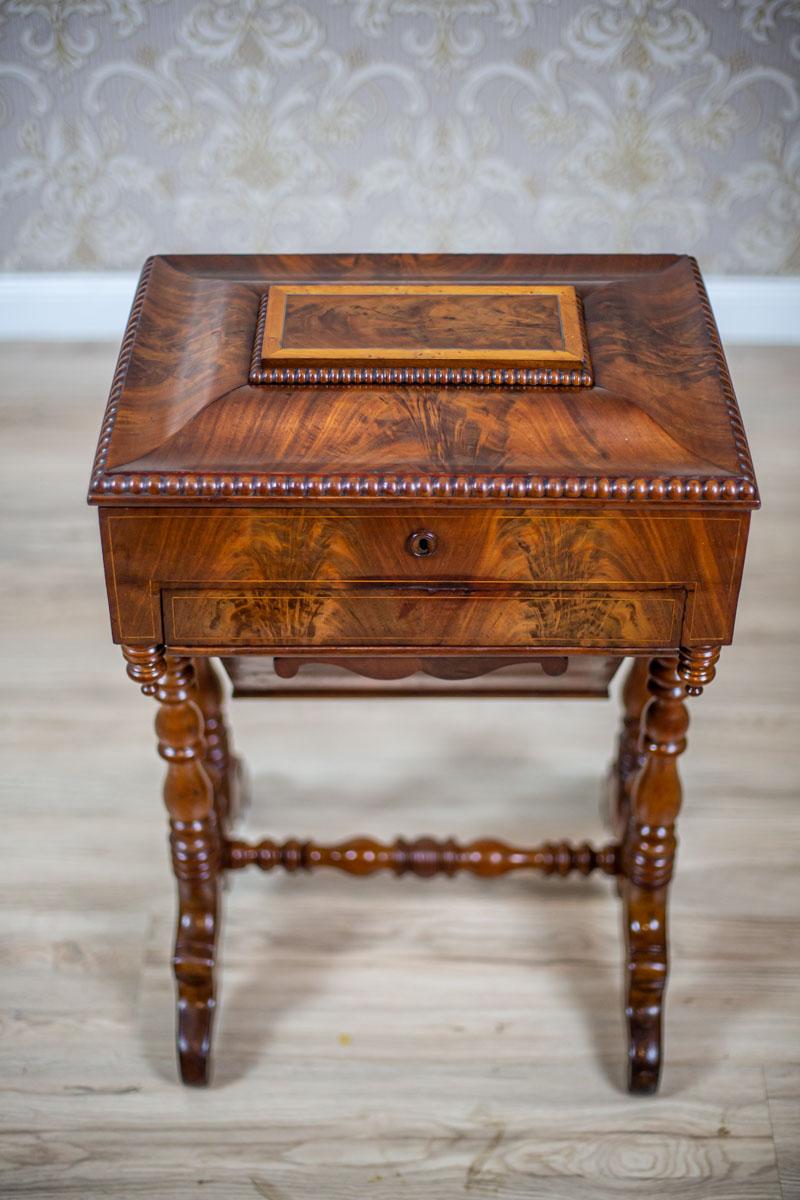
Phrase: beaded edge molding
(373, 485)
(99, 477)
(731, 405)
(403, 376)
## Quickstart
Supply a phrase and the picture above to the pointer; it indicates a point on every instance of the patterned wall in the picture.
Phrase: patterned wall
(128, 126)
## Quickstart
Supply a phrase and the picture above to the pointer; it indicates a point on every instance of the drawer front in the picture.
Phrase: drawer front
(388, 618)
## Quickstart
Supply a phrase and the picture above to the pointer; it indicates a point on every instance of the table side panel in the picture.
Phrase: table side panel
(512, 556)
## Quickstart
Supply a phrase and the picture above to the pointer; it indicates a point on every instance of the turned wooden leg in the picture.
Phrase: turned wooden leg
(222, 766)
(648, 854)
(629, 754)
(195, 846)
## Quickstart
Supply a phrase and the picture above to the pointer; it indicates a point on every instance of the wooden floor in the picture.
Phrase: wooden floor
(383, 1038)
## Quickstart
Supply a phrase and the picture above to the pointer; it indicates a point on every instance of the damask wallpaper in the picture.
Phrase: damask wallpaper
(132, 126)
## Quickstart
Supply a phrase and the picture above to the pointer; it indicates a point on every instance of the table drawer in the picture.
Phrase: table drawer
(434, 617)
(255, 552)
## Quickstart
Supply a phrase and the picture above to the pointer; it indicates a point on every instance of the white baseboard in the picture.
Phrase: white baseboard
(65, 305)
(93, 306)
(756, 310)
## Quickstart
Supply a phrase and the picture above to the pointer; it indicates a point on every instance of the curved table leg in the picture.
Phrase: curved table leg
(648, 854)
(629, 756)
(195, 846)
(222, 766)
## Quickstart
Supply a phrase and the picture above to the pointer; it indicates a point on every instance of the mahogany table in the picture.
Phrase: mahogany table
(422, 475)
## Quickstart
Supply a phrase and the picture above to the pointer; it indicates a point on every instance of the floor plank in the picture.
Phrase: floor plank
(386, 1037)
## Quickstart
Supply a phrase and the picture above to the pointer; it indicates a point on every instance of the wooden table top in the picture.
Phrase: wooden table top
(266, 378)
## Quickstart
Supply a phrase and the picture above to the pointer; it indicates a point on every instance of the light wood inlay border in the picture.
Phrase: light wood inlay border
(530, 365)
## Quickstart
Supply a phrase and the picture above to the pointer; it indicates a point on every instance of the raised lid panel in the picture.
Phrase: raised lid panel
(455, 333)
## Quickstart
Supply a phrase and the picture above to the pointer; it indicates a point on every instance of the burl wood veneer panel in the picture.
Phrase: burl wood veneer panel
(385, 327)
(173, 550)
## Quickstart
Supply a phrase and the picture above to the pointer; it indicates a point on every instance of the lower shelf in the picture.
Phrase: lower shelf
(582, 676)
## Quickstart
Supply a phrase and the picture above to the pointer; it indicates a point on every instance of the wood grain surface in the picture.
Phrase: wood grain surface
(485, 618)
(450, 326)
(339, 1073)
(419, 319)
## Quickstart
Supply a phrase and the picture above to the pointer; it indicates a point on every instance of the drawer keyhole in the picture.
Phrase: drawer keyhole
(422, 543)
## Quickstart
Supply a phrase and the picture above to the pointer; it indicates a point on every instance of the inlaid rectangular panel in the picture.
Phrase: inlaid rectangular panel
(395, 618)
(411, 333)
